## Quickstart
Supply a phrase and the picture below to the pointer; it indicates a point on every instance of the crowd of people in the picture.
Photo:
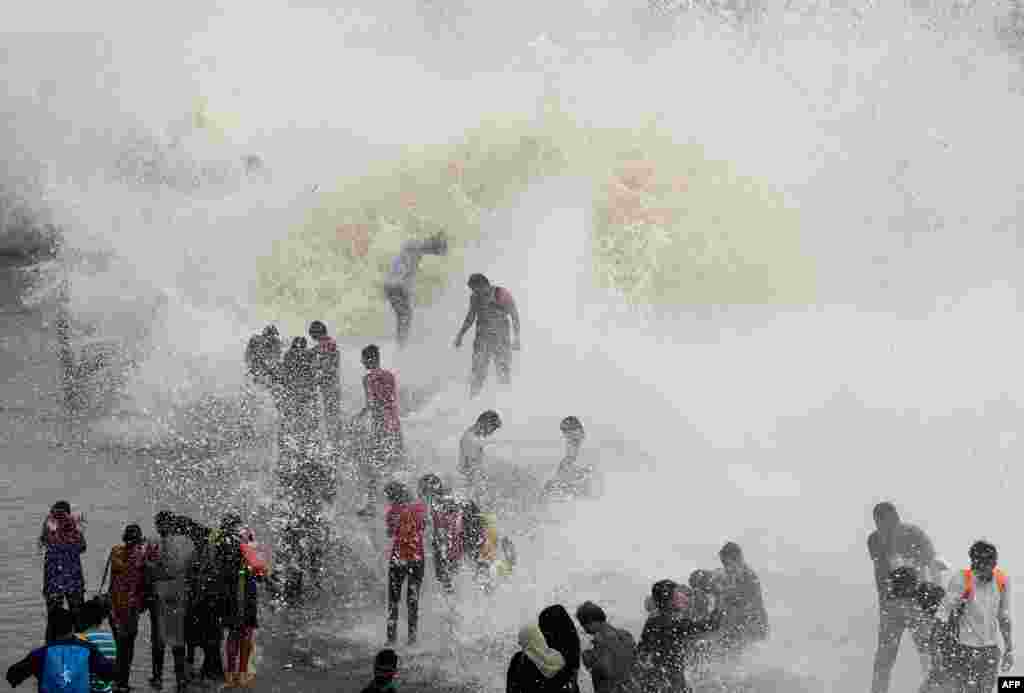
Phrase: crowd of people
(199, 585)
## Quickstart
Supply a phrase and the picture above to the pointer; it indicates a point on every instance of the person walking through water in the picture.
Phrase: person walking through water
(298, 399)
(471, 456)
(894, 545)
(400, 281)
(977, 603)
(63, 542)
(380, 424)
(328, 374)
(491, 308)
(405, 519)
(176, 555)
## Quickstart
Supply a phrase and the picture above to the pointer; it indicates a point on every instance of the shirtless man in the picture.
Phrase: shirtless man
(471, 455)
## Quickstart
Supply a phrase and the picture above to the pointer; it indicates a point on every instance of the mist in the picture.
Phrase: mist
(893, 131)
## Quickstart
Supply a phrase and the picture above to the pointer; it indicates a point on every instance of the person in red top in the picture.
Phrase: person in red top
(328, 376)
(447, 535)
(380, 422)
(491, 308)
(406, 520)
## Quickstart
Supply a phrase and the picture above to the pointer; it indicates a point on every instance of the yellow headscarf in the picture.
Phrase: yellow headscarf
(549, 661)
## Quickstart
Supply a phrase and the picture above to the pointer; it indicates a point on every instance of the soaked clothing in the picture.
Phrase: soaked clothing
(127, 584)
(982, 611)
(384, 427)
(896, 616)
(176, 556)
(64, 543)
(398, 573)
(62, 666)
(664, 649)
(493, 340)
(405, 523)
(262, 355)
(400, 299)
(744, 618)
(105, 643)
(471, 466)
(611, 660)
(446, 539)
(906, 545)
(328, 377)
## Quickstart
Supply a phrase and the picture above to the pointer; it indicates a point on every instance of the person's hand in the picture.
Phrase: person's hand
(458, 341)
(1007, 661)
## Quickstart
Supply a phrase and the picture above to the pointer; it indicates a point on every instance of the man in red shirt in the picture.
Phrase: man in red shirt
(405, 519)
(383, 428)
(491, 308)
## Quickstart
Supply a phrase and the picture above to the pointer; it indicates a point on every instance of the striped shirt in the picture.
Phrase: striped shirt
(104, 642)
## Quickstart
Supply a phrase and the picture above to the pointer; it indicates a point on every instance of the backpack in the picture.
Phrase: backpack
(65, 669)
(953, 625)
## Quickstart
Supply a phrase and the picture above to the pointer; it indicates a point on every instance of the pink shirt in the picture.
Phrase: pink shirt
(406, 523)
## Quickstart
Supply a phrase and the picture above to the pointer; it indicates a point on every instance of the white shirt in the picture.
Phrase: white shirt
(979, 625)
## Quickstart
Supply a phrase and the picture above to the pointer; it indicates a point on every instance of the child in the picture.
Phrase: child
(385, 670)
(406, 522)
(90, 623)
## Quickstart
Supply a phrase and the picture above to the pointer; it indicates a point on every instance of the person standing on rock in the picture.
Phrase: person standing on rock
(491, 308)
(399, 283)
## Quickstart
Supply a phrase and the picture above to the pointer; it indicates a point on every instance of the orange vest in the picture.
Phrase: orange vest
(999, 575)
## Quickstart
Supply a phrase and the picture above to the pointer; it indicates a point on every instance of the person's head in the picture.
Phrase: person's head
(61, 507)
(63, 623)
(371, 356)
(385, 664)
(317, 329)
(164, 522)
(591, 617)
(438, 243)
(299, 343)
(561, 634)
(731, 556)
(662, 594)
(230, 523)
(702, 580)
(92, 614)
(479, 284)
(571, 428)
(430, 486)
(396, 492)
(886, 516)
(984, 558)
(488, 422)
(132, 535)
(271, 331)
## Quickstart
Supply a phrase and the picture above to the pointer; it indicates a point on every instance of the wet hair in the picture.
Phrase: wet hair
(570, 423)
(92, 614)
(386, 662)
(62, 620)
(731, 552)
(132, 534)
(702, 580)
(396, 492)
(371, 354)
(662, 592)
(478, 281)
(561, 634)
(61, 507)
(885, 510)
(270, 331)
(589, 612)
(299, 343)
(982, 550)
(317, 329)
(489, 418)
(164, 519)
(430, 484)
